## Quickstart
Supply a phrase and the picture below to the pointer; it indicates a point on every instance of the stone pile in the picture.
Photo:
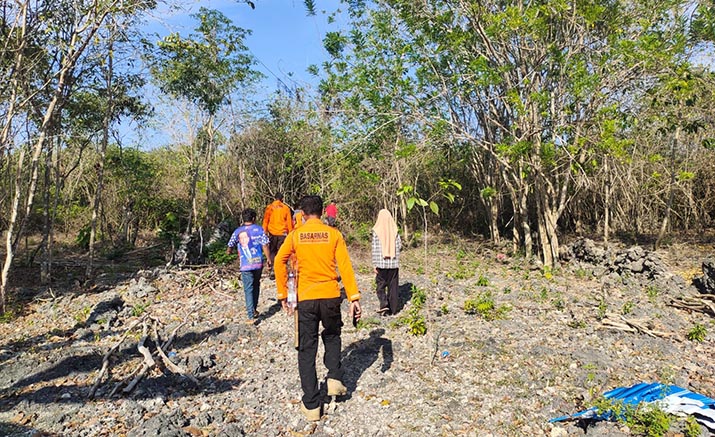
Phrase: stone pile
(706, 283)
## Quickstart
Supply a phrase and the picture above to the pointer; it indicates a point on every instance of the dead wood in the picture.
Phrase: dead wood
(147, 364)
(220, 293)
(105, 360)
(169, 364)
(704, 303)
(171, 338)
(633, 326)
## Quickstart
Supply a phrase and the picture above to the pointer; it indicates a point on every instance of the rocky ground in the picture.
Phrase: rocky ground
(534, 345)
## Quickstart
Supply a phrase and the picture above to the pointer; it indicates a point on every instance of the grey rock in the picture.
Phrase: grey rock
(231, 430)
(140, 289)
(706, 283)
(162, 425)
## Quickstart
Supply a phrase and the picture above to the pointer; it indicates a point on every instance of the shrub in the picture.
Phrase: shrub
(414, 320)
(692, 428)
(643, 419)
(602, 309)
(216, 252)
(697, 333)
(483, 281)
(483, 304)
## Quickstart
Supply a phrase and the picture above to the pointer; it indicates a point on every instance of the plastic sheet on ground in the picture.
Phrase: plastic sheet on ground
(670, 398)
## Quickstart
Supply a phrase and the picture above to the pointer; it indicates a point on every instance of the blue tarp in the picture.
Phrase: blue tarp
(670, 398)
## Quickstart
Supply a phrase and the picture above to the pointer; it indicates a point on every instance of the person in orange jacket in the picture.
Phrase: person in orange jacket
(318, 249)
(277, 222)
(298, 218)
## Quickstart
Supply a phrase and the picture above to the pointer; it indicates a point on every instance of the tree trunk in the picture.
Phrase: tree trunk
(9, 248)
(46, 225)
(493, 216)
(100, 165)
(607, 201)
(671, 192)
(548, 238)
(192, 191)
(403, 205)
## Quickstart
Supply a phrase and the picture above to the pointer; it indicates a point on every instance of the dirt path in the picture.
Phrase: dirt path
(541, 352)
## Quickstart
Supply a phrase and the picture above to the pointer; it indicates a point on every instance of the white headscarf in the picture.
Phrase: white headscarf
(386, 230)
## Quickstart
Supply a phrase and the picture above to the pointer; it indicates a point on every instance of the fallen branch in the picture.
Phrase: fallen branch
(204, 281)
(704, 303)
(169, 364)
(105, 360)
(123, 382)
(171, 338)
(436, 346)
(633, 326)
(146, 365)
(221, 293)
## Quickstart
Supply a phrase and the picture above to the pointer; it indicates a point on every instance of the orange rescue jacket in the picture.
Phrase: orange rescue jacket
(299, 217)
(318, 249)
(277, 219)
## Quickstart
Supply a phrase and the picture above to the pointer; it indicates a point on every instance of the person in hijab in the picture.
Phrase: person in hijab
(386, 246)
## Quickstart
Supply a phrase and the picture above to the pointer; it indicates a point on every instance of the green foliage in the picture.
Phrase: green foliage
(169, 228)
(368, 322)
(234, 284)
(8, 316)
(206, 66)
(643, 419)
(82, 238)
(309, 7)
(365, 269)
(363, 232)
(483, 281)
(419, 297)
(216, 253)
(650, 421)
(692, 427)
(139, 309)
(558, 302)
(652, 292)
(463, 270)
(414, 320)
(577, 324)
(488, 192)
(483, 304)
(602, 309)
(581, 273)
(543, 294)
(81, 315)
(627, 308)
(444, 310)
(697, 333)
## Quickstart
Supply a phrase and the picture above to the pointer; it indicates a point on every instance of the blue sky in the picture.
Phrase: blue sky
(284, 39)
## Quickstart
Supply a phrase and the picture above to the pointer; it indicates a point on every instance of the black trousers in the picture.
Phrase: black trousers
(310, 314)
(387, 288)
(274, 243)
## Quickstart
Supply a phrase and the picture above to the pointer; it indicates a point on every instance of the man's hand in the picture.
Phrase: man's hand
(286, 307)
(355, 310)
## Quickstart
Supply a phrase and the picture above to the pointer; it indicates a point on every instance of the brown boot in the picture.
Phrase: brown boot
(336, 388)
(310, 415)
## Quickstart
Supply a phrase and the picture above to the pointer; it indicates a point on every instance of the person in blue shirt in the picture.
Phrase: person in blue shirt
(251, 243)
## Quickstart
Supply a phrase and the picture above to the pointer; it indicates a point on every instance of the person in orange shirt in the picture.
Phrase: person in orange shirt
(298, 218)
(277, 222)
(318, 250)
